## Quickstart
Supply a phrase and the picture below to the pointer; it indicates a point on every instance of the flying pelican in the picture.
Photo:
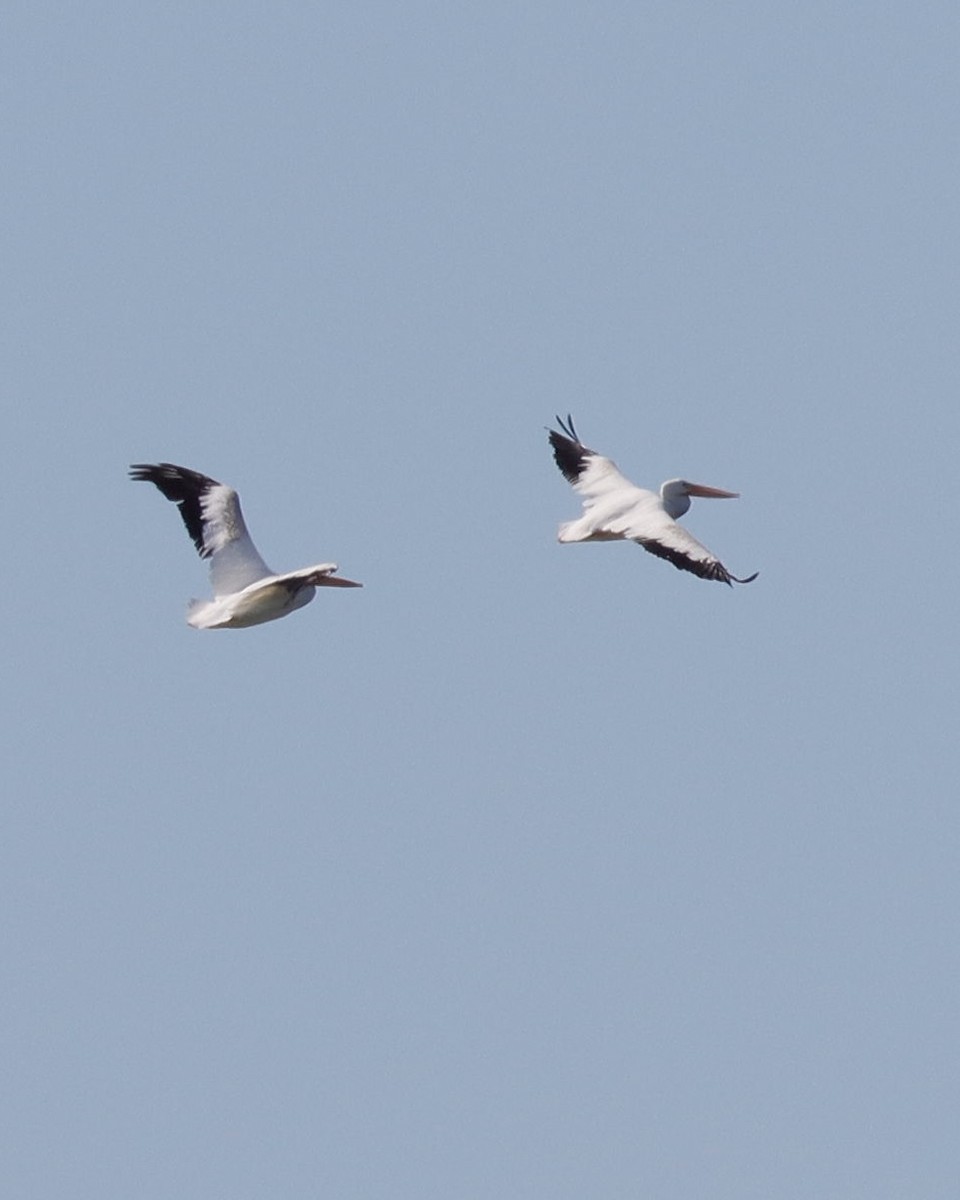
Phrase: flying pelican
(245, 590)
(614, 508)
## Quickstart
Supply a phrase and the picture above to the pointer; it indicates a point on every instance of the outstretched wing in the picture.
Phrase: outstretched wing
(610, 501)
(666, 539)
(591, 474)
(211, 513)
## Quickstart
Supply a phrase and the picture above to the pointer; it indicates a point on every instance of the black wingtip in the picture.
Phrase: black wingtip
(569, 451)
(170, 474)
(568, 428)
(185, 488)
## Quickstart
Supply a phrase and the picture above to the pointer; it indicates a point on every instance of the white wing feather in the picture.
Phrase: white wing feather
(235, 562)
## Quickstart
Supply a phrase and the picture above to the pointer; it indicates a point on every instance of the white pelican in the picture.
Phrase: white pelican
(614, 508)
(245, 590)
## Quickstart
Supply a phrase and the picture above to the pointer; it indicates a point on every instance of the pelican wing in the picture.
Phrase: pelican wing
(611, 502)
(666, 539)
(591, 474)
(211, 513)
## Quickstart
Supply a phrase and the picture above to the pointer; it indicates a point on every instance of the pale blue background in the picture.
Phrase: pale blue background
(528, 871)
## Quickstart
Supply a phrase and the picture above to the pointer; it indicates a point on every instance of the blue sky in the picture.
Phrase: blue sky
(527, 871)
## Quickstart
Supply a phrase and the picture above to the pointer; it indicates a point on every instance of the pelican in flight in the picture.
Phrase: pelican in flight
(614, 508)
(245, 590)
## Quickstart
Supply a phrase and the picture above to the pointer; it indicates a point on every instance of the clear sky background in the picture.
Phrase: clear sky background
(529, 870)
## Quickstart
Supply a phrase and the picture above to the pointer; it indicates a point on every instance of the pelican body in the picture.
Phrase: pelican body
(615, 509)
(245, 590)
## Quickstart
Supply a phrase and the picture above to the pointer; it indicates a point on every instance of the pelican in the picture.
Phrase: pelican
(245, 590)
(614, 508)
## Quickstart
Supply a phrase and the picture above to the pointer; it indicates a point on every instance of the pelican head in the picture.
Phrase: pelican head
(676, 493)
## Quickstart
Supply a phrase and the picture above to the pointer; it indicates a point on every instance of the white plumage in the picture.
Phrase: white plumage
(614, 508)
(245, 590)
